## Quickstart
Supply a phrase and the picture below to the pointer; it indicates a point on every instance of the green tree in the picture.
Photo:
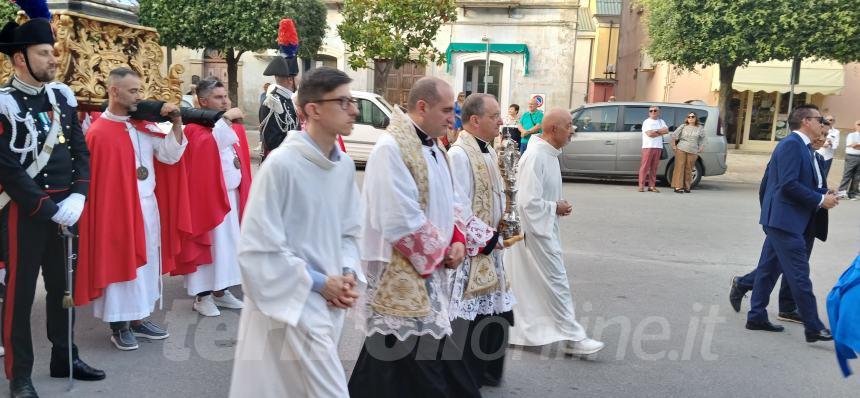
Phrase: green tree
(733, 33)
(234, 26)
(7, 11)
(390, 33)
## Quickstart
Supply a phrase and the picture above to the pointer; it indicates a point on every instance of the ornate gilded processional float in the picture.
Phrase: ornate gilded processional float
(95, 36)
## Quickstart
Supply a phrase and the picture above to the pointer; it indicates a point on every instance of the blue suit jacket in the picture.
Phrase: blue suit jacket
(789, 193)
(819, 226)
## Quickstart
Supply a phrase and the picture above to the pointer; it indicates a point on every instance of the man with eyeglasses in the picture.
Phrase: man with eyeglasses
(219, 179)
(299, 254)
(481, 298)
(851, 174)
(817, 228)
(790, 196)
(831, 142)
(653, 130)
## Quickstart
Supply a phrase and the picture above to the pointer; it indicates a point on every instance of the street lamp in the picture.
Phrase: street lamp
(484, 38)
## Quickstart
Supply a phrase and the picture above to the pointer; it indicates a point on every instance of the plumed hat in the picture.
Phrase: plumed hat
(37, 30)
(288, 45)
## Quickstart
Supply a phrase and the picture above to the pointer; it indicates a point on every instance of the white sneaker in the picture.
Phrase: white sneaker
(228, 300)
(584, 347)
(206, 306)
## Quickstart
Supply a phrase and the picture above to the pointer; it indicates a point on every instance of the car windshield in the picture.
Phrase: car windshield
(384, 103)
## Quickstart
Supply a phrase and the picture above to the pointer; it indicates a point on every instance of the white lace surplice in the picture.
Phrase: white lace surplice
(477, 234)
(392, 212)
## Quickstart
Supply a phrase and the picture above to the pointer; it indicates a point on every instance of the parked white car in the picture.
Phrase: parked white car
(374, 114)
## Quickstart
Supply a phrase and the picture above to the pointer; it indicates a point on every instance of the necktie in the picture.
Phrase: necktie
(814, 165)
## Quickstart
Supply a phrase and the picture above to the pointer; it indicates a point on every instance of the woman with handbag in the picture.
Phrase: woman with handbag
(688, 141)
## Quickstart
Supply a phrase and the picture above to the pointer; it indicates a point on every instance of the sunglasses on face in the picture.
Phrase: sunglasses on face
(653, 110)
(691, 117)
(820, 119)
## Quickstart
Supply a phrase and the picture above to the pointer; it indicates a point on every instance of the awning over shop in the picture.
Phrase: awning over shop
(494, 48)
(816, 77)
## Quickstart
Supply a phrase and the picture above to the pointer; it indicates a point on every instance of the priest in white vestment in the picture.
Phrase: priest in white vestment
(409, 238)
(544, 312)
(481, 299)
(299, 254)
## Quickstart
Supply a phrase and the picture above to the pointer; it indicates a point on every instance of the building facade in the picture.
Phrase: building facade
(536, 47)
(761, 91)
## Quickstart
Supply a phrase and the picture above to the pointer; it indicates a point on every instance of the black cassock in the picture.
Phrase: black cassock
(276, 121)
(422, 367)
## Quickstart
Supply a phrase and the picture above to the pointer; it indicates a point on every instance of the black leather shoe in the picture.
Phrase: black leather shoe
(736, 294)
(792, 316)
(765, 325)
(822, 335)
(22, 387)
(81, 371)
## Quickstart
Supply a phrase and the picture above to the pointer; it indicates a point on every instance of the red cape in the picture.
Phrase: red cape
(208, 193)
(112, 236)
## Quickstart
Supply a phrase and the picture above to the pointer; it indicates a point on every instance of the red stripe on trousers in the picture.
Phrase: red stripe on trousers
(9, 302)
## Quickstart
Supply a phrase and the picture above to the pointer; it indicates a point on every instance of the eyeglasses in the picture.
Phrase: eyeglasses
(653, 110)
(691, 117)
(344, 101)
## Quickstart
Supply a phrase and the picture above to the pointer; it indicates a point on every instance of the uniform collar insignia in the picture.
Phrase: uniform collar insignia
(26, 88)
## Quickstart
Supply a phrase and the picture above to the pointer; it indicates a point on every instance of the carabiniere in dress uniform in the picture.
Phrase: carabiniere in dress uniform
(44, 173)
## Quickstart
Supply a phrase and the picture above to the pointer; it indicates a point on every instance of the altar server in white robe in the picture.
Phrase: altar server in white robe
(299, 254)
(481, 300)
(544, 312)
(409, 238)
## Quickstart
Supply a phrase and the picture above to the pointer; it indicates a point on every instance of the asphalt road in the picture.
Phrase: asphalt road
(650, 276)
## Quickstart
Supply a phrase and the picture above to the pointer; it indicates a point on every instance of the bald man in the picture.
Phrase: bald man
(544, 312)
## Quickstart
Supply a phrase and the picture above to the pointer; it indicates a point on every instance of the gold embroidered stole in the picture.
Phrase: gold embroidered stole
(482, 273)
(401, 291)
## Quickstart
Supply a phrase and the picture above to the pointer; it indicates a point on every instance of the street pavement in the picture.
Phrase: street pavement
(650, 276)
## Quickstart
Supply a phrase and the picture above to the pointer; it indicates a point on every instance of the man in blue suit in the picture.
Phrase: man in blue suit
(792, 193)
(816, 229)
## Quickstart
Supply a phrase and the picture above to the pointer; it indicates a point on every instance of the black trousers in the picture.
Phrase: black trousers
(484, 345)
(419, 367)
(32, 243)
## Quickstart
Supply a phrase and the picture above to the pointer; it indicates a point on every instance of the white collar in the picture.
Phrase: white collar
(110, 116)
(26, 88)
(544, 146)
(286, 91)
(805, 139)
(309, 150)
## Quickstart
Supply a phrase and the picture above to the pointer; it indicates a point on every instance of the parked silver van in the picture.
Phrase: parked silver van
(608, 140)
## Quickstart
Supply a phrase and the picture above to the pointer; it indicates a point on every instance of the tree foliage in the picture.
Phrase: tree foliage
(396, 31)
(733, 33)
(234, 26)
(7, 11)
(689, 33)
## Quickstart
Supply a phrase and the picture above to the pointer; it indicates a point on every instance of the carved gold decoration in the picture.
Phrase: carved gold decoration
(88, 48)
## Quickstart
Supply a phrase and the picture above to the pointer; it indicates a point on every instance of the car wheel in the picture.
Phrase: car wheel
(698, 171)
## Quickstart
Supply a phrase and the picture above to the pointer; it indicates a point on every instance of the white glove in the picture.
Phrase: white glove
(61, 216)
(70, 210)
